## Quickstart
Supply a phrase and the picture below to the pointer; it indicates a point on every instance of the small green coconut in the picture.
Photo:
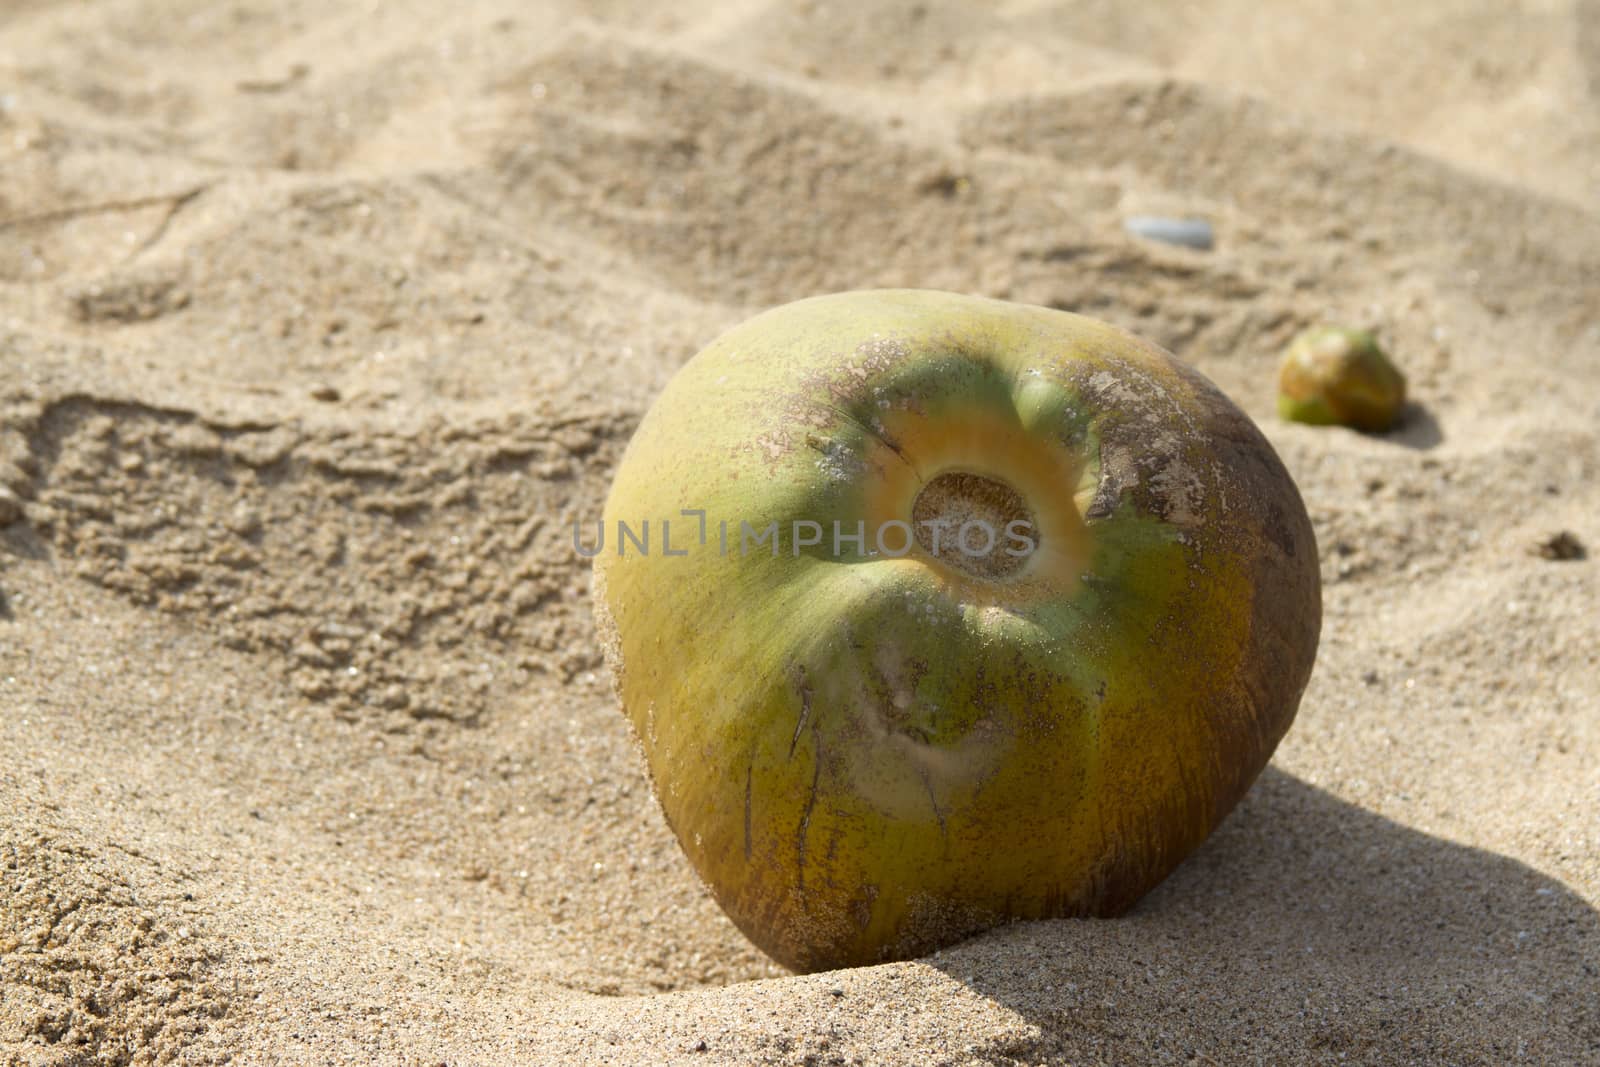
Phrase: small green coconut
(1331, 375)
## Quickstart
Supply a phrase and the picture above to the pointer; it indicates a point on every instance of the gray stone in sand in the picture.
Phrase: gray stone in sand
(1191, 233)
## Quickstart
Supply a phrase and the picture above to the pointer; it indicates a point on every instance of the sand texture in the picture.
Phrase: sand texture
(319, 322)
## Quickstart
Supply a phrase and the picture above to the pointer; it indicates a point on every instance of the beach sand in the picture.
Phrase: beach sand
(320, 323)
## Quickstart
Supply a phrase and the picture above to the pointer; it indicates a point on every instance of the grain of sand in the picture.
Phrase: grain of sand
(318, 321)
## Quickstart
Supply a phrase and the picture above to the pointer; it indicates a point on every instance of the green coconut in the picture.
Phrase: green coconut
(935, 612)
(1336, 376)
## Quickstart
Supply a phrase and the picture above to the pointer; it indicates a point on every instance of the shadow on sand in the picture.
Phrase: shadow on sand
(1418, 429)
(1310, 930)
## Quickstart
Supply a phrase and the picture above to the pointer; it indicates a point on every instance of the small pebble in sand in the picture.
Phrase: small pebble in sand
(10, 507)
(1190, 233)
(1563, 546)
(324, 392)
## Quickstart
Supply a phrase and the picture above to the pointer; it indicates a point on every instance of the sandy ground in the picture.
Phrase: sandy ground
(318, 321)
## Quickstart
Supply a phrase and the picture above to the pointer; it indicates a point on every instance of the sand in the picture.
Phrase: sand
(319, 321)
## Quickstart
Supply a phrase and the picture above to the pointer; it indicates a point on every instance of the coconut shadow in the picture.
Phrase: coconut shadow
(1307, 928)
(1418, 429)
